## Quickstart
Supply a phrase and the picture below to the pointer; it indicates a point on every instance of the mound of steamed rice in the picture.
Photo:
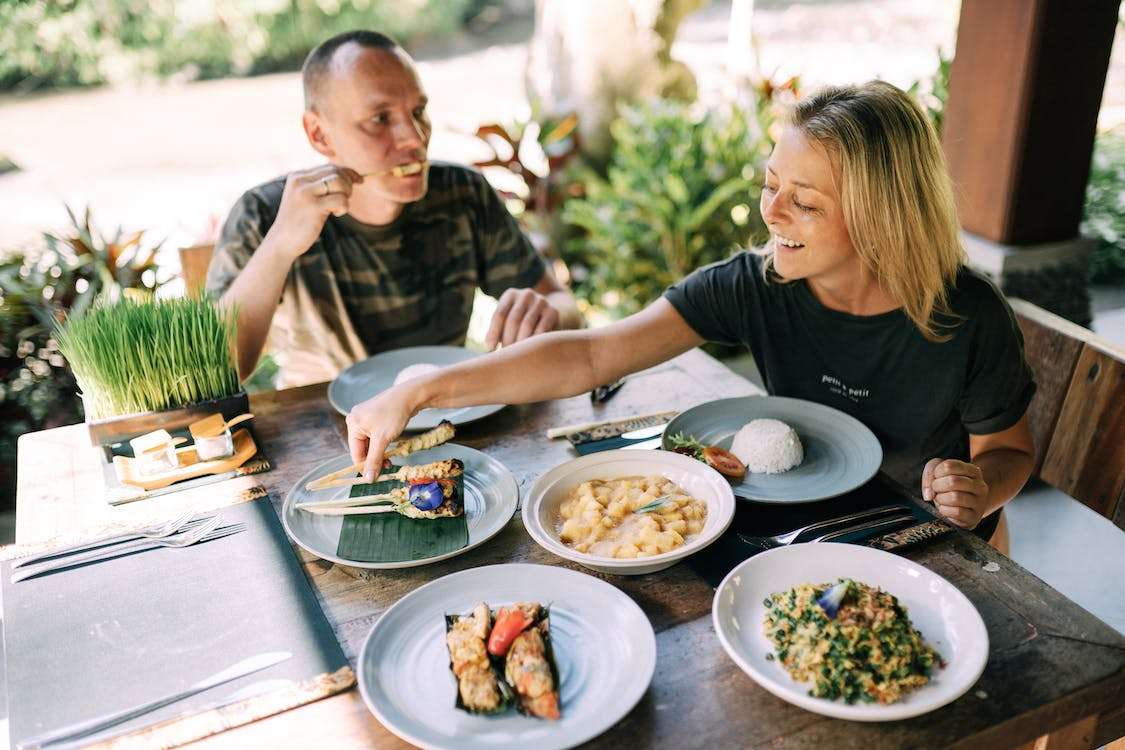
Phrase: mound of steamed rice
(414, 371)
(768, 446)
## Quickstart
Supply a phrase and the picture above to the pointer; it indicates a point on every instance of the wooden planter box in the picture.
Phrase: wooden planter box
(113, 430)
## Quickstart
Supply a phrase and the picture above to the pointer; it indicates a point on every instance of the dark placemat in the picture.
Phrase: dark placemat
(91, 640)
(391, 537)
(761, 519)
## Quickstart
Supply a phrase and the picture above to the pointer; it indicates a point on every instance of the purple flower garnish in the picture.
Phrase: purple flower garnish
(425, 496)
(831, 599)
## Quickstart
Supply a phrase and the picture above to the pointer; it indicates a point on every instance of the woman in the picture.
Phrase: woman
(860, 300)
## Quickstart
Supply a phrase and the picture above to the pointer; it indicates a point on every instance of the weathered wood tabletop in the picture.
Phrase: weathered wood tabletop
(1051, 664)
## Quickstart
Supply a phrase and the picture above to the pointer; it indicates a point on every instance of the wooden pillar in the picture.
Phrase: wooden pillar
(1024, 93)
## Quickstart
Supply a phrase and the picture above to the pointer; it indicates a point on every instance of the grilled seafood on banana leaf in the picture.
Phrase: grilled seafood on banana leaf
(518, 645)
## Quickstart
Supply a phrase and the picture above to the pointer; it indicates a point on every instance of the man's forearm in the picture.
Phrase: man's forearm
(256, 292)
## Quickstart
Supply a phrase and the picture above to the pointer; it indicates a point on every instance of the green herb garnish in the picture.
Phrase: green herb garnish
(687, 445)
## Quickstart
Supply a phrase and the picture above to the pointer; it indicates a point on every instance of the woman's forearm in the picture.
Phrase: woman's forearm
(1005, 471)
(548, 366)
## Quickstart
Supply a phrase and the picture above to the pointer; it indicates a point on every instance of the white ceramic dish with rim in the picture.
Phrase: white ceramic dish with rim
(604, 646)
(491, 497)
(372, 376)
(947, 620)
(541, 507)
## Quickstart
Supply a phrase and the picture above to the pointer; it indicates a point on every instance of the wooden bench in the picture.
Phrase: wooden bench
(1078, 414)
(1078, 421)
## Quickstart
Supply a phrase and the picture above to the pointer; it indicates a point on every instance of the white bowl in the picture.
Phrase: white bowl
(944, 616)
(541, 509)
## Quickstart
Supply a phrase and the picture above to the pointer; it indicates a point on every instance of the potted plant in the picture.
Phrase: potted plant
(147, 364)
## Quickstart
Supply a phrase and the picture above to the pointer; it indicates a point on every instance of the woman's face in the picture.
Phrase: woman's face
(801, 208)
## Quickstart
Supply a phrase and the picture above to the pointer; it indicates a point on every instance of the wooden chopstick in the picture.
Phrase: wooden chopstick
(336, 479)
(346, 511)
(347, 502)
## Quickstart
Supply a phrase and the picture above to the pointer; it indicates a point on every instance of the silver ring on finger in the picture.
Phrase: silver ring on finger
(324, 182)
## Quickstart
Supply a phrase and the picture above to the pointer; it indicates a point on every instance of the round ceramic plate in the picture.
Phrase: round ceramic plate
(491, 496)
(604, 646)
(946, 619)
(841, 453)
(376, 374)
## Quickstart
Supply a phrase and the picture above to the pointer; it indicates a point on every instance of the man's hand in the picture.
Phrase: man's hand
(520, 314)
(310, 196)
(957, 489)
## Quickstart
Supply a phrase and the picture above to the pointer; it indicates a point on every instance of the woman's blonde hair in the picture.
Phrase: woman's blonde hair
(895, 192)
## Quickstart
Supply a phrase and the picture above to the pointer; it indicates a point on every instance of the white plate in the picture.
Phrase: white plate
(374, 375)
(541, 510)
(946, 619)
(604, 646)
(491, 497)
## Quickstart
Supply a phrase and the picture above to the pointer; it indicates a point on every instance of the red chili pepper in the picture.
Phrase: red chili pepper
(423, 480)
(509, 624)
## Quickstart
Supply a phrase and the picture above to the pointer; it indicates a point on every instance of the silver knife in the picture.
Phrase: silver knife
(90, 726)
(644, 432)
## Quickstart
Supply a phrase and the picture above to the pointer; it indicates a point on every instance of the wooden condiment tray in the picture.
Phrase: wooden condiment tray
(190, 466)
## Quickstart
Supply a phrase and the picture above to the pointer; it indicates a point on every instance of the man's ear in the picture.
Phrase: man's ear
(314, 131)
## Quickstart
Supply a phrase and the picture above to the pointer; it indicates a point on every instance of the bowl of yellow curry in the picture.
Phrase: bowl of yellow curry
(628, 512)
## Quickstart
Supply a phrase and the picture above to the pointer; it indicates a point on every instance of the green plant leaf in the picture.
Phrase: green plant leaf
(718, 197)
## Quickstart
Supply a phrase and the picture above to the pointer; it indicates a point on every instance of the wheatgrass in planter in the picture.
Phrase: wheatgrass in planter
(132, 357)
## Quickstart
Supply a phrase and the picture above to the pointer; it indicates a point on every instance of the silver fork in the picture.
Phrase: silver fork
(154, 531)
(870, 526)
(203, 532)
(780, 540)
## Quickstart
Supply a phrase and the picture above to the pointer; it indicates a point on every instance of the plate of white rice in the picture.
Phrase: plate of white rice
(831, 452)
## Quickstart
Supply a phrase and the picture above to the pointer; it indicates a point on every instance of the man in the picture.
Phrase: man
(377, 249)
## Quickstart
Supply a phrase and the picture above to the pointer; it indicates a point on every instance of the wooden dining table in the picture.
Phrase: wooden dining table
(1052, 666)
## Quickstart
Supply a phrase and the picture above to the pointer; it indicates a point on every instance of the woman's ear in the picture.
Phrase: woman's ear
(315, 132)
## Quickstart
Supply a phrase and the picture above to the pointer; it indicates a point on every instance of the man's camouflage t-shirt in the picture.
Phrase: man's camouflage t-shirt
(362, 289)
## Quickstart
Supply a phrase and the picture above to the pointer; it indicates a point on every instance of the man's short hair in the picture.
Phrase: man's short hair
(319, 61)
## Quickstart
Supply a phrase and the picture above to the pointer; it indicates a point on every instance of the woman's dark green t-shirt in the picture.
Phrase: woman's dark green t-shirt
(921, 398)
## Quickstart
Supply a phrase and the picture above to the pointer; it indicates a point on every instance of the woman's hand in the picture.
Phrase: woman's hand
(957, 489)
(374, 423)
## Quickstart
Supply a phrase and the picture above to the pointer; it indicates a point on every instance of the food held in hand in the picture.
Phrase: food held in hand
(430, 492)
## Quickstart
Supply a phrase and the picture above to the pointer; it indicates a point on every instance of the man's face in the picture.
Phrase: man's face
(371, 116)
